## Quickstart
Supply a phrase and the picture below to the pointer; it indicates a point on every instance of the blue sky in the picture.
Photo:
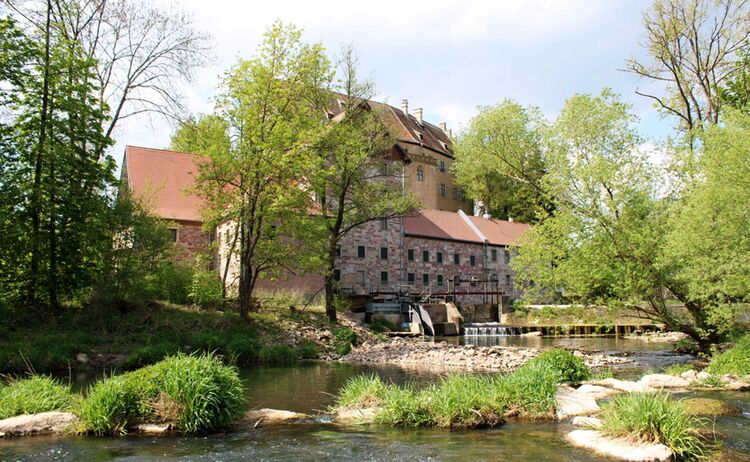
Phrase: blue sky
(445, 56)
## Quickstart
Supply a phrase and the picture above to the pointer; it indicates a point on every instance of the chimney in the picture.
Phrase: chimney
(405, 106)
(418, 112)
(443, 126)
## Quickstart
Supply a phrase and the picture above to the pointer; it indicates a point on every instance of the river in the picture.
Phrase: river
(309, 387)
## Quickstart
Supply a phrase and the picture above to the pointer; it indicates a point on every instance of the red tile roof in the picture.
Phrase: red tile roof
(163, 179)
(438, 224)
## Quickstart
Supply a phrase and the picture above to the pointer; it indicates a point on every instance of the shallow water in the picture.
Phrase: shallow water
(308, 387)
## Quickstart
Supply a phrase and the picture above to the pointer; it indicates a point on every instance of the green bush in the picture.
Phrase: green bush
(205, 289)
(654, 417)
(735, 360)
(344, 339)
(170, 282)
(242, 348)
(195, 393)
(308, 350)
(149, 354)
(570, 367)
(383, 325)
(33, 395)
(277, 354)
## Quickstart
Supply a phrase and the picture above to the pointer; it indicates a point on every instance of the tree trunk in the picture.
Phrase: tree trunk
(245, 286)
(36, 194)
(329, 283)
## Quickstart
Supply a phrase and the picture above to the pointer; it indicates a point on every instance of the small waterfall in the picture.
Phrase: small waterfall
(490, 329)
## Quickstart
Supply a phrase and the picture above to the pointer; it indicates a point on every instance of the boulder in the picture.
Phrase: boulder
(597, 391)
(709, 407)
(663, 381)
(44, 423)
(619, 448)
(153, 429)
(689, 375)
(355, 416)
(274, 417)
(532, 334)
(589, 422)
(702, 375)
(570, 403)
(621, 385)
(82, 358)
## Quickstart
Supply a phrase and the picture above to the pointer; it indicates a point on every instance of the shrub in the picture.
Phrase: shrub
(195, 393)
(687, 345)
(205, 289)
(277, 354)
(307, 350)
(344, 339)
(242, 348)
(171, 282)
(654, 417)
(570, 367)
(149, 354)
(33, 395)
(735, 360)
(383, 325)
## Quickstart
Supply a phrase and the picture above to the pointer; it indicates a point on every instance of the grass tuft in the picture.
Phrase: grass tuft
(654, 418)
(570, 367)
(195, 393)
(735, 360)
(677, 369)
(32, 395)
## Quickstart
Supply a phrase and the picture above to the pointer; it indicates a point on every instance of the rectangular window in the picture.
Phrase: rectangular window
(426, 279)
(443, 189)
(507, 279)
(336, 275)
(440, 257)
(410, 278)
(411, 254)
(384, 253)
(425, 255)
(338, 250)
(383, 224)
(456, 259)
(455, 194)
(441, 166)
(440, 280)
(384, 276)
(507, 257)
(473, 260)
(226, 236)
(494, 255)
(360, 251)
(173, 234)
(360, 277)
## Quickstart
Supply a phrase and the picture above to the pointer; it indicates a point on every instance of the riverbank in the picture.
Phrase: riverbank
(281, 331)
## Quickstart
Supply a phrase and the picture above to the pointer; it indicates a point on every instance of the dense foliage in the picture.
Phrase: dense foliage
(32, 395)
(735, 360)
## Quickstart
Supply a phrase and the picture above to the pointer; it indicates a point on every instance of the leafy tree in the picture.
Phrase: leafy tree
(266, 103)
(735, 93)
(709, 235)
(500, 161)
(355, 179)
(693, 46)
(608, 239)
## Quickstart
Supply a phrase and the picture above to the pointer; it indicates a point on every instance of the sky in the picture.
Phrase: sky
(447, 57)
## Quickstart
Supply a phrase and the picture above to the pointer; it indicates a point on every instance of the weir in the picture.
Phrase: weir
(555, 330)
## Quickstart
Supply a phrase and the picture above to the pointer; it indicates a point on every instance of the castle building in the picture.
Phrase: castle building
(439, 250)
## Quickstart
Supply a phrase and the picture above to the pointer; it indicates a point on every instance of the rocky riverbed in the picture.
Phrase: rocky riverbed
(411, 352)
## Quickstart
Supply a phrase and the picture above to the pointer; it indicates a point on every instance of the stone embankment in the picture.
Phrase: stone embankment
(468, 357)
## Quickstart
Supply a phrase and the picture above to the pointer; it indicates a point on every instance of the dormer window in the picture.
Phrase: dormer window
(444, 145)
(420, 135)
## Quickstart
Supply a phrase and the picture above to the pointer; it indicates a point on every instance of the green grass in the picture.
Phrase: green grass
(467, 401)
(145, 335)
(382, 325)
(677, 369)
(735, 360)
(196, 393)
(657, 418)
(712, 381)
(571, 367)
(345, 338)
(32, 395)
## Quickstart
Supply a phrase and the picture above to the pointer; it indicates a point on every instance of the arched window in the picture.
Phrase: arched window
(420, 174)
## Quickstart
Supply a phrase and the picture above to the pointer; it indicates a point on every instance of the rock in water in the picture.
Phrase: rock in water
(618, 447)
(709, 407)
(274, 416)
(44, 423)
(664, 381)
(570, 403)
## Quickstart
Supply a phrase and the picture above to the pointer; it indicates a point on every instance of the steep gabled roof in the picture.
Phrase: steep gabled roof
(438, 224)
(164, 180)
